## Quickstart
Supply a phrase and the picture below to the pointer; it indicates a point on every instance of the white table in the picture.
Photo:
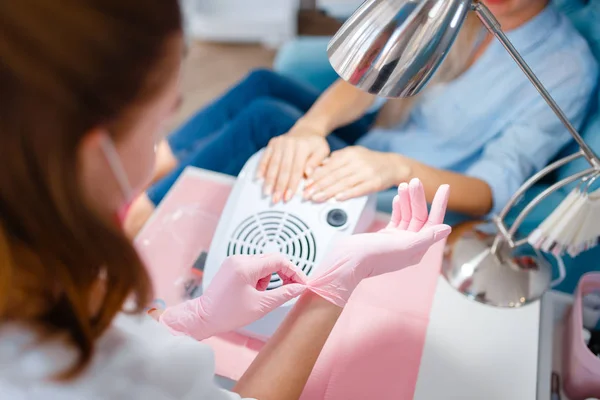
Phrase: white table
(475, 351)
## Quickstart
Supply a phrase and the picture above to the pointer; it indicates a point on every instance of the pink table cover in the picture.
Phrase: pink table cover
(374, 351)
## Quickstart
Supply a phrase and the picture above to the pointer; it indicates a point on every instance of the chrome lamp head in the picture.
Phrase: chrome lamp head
(391, 48)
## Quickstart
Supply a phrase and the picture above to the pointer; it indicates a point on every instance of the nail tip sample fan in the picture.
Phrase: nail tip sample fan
(572, 227)
(302, 230)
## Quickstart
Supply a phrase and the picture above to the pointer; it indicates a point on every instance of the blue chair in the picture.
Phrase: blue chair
(305, 59)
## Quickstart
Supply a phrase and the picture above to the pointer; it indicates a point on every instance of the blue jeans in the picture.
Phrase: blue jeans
(224, 135)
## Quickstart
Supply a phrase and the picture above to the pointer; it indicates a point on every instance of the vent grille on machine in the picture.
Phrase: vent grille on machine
(275, 232)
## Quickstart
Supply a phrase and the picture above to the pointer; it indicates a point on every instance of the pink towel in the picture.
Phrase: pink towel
(374, 351)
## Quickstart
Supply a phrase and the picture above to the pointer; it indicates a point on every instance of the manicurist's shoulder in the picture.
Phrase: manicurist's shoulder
(136, 358)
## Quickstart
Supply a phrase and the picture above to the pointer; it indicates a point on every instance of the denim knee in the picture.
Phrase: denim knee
(267, 118)
(259, 77)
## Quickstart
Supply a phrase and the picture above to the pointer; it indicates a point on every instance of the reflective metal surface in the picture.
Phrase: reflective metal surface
(509, 278)
(391, 48)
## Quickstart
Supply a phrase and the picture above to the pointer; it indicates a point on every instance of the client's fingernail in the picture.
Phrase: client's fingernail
(318, 197)
(276, 197)
(308, 193)
(288, 195)
(267, 190)
(308, 171)
(341, 197)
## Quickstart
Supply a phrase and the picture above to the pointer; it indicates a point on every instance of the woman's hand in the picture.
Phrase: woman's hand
(353, 172)
(290, 157)
(236, 296)
(406, 239)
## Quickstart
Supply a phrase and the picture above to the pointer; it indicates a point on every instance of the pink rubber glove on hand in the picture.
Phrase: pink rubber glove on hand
(236, 296)
(404, 242)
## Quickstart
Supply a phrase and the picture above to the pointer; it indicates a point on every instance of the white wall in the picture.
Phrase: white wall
(268, 21)
(271, 22)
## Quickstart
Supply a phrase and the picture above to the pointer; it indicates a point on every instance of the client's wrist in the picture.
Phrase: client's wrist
(403, 168)
(310, 126)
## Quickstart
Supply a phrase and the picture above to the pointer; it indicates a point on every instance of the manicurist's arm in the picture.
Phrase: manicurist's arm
(281, 369)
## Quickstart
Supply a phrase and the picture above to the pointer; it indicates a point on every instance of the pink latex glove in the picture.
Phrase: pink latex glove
(406, 239)
(236, 296)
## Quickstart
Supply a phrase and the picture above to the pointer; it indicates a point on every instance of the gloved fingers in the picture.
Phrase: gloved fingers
(438, 206)
(290, 273)
(430, 235)
(396, 214)
(277, 297)
(423, 241)
(263, 283)
(287, 292)
(276, 263)
(441, 232)
(405, 210)
(187, 318)
(418, 205)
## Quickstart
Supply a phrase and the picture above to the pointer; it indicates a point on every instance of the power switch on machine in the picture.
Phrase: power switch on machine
(337, 217)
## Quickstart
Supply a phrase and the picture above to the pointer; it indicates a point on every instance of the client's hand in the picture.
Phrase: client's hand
(352, 172)
(288, 158)
(236, 296)
(406, 239)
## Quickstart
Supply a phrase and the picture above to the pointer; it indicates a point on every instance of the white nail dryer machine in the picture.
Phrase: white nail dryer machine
(300, 229)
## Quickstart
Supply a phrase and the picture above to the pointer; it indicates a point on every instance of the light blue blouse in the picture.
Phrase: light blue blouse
(491, 123)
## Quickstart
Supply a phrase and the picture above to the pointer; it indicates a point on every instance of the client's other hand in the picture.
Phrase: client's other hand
(290, 157)
(236, 296)
(406, 239)
(353, 172)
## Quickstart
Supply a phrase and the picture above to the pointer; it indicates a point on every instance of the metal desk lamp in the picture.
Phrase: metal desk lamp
(391, 48)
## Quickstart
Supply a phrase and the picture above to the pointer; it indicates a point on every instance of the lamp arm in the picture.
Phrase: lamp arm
(492, 24)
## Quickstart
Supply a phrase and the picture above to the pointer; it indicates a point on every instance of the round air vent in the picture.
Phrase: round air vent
(275, 232)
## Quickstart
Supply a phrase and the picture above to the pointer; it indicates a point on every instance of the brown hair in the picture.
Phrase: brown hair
(457, 62)
(67, 67)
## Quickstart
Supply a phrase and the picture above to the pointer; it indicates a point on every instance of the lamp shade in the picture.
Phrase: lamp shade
(391, 48)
